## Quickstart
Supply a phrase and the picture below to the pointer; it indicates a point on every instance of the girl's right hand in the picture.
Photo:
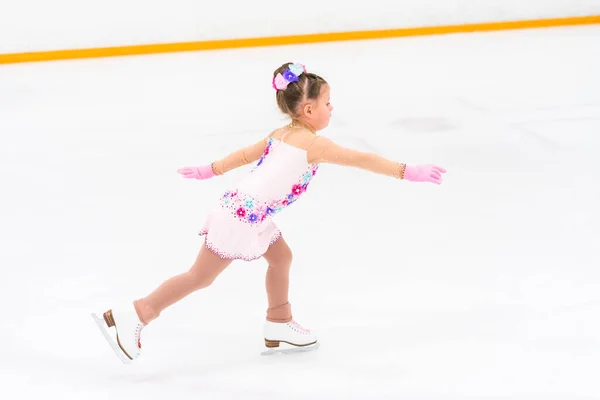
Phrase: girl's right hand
(424, 173)
(203, 172)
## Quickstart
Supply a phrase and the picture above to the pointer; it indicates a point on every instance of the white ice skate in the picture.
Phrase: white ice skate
(288, 337)
(128, 327)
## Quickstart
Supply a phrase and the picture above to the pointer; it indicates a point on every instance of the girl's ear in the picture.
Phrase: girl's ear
(308, 109)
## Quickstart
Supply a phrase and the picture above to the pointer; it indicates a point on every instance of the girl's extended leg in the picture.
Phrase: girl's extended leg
(279, 257)
(205, 270)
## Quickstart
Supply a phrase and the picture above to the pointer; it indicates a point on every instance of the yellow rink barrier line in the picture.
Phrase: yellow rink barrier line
(119, 51)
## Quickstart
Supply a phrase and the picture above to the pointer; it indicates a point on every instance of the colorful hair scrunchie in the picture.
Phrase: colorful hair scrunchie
(291, 74)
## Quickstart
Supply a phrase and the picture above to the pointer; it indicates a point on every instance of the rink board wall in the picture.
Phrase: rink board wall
(40, 26)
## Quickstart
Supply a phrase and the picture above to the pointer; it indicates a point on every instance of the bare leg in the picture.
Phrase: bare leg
(202, 274)
(277, 282)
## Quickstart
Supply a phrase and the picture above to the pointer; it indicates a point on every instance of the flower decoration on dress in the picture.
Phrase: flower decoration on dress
(291, 74)
(251, 210)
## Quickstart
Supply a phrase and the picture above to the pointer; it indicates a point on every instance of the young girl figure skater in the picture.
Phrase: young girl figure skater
(241, 226)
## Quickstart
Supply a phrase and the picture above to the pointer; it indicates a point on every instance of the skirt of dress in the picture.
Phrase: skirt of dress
(231, 238)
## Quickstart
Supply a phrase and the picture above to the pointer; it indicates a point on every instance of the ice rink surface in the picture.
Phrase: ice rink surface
(487, 286)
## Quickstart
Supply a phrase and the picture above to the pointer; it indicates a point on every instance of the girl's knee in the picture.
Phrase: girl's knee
(284, 259)
(203, 276)
(206, 269)
(199, 280)
(288, 257)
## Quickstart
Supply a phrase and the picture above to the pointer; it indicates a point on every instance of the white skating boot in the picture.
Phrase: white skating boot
(128, 328)
(291, 333)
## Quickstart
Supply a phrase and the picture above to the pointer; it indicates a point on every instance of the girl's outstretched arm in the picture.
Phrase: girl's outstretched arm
(234, 160)
(240, 157)
(324, 150)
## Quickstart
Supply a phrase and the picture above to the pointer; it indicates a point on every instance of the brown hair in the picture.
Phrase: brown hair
(308, 87)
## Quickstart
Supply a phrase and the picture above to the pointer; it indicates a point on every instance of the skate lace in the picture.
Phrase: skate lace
(299, 327)
(138, 335)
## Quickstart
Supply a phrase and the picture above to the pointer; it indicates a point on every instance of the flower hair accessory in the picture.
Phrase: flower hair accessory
(291, 74)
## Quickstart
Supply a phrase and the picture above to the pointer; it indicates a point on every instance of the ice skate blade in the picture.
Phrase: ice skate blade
(290, 350)
(113, 344)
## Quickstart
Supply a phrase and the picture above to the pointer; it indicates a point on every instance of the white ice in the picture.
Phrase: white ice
(487, 286)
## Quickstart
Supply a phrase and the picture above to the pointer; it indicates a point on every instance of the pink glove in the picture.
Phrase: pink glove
(424, 173)
(203, 172)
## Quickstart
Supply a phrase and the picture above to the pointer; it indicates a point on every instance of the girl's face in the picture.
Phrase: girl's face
(317, 113)
(323, 109)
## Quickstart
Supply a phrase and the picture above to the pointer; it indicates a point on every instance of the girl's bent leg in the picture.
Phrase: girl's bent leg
(277, 282)
(202, 274)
